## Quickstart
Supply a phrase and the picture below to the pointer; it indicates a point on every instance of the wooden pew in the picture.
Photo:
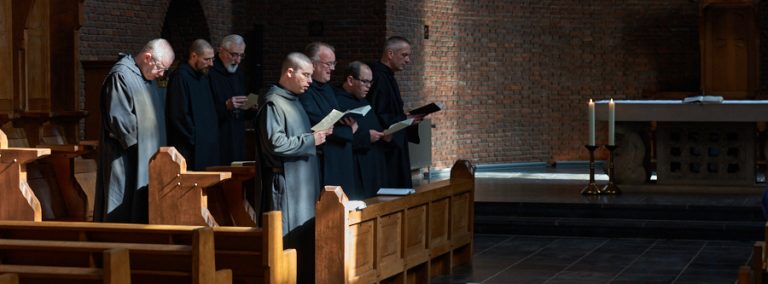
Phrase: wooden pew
(227, 200)
(254, 255)
(178, 196)
(52, 178)
(396, 239)
(19, 262)
(757, 270)
(17, 200)
(9, 278)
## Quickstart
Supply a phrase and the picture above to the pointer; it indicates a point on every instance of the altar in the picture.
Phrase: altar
(688, 143)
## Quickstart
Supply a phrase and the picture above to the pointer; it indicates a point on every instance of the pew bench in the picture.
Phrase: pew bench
(396, 239)
(254, 255)
(9, 278)
(27, 262)
(757, 270)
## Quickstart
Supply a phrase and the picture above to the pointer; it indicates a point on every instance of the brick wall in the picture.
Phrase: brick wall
(515, 75)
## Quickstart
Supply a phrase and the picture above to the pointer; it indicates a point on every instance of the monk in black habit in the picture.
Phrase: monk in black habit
(228, 87)
(193, 125)
(132, 129)
(335, 156)
(368, 140)
(290, 181)
(388, 105)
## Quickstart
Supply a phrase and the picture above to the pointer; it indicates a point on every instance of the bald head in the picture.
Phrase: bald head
(155, 58)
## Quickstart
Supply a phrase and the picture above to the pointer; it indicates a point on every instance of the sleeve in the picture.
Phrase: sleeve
(121, 118)
(361, 141)
(279, 143)
(379, 97)
(179, 117)
(311, 107)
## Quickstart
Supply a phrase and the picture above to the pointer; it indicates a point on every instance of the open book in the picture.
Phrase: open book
(426, 109)
(395, 127)
(243, 163)
(395, 191)
(329, 120)
(703, 100)
(355, 205)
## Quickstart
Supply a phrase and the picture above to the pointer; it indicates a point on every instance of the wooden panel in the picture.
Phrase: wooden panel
(363, 255)
(460, 216)
(439, 216)
(38, 57)
(94, 72)
(6, 55)
(416, 250)
(389, 245)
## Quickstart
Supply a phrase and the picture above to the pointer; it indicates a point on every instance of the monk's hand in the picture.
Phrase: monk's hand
(351, 122)
(416, 117)
(387, 138)
(375, 135)
(236, 102)
(320, 136)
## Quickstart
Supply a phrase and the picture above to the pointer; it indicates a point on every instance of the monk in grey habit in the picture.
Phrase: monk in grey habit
(132, 129)
(290, 180)
(193, 123)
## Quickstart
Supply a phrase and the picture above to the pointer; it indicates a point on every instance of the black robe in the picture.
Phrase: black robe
(193, 126)
(387, 103)
(132, 129)
(225, 85)
(290, 180)
(368, 161)
(335, 155)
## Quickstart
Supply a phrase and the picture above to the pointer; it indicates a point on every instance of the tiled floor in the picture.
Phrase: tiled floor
(557, 259)
(545, 259)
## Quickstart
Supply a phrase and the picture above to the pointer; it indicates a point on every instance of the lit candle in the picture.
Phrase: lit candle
(591, 123)
(611, 123)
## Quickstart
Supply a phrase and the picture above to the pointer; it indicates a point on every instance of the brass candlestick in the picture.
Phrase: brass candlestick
(591, 188)
(611, 187)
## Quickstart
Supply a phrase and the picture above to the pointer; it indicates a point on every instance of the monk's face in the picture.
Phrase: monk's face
(400, 56)
(300, 78)
(362, 84)
(231, 56)
(154, 67)
(325, 64)
(203, 61)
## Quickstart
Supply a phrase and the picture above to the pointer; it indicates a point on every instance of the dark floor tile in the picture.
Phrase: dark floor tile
(580, 276)
(708, 276)
(646, 277)
(522, 276)
(483, 242)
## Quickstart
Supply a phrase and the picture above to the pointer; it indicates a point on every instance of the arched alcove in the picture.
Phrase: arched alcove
(184, 22)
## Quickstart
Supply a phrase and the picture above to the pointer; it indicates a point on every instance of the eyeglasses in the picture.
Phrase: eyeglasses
(365, 82)
(158, 65)
(235, 54)
(330, 64)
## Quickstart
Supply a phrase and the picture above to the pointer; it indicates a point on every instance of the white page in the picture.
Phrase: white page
(398, 126)
(253, 99)
(328, 121)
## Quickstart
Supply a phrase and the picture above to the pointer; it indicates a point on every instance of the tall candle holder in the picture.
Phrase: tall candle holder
(591, 188)
(611, 187)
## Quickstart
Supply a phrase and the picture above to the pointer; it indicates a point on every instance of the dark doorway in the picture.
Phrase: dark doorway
(184, 23)
(254, 65)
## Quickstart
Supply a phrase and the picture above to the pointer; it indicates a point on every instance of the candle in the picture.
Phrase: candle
(591, 123)
(611, 123)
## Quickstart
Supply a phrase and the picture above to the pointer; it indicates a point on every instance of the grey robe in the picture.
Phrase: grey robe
(131, 132)
(291, 180)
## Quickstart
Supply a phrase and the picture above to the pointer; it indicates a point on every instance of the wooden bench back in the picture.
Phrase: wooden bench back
(396, 238)
(254, 255)
(25, 262)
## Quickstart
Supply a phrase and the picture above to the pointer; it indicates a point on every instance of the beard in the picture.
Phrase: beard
(232, 68)
(203, 71)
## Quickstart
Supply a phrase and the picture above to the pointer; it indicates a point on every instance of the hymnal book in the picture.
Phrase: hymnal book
(395, 191)
(243, 163)
(253, 99)
(703, 100)
(329, 120)
(395, 127)
(426, 109)
(355, 205)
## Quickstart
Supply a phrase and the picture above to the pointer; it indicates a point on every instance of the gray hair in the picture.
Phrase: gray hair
(159, 48)
(228, 41)
(395, 42)
(313, 48)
